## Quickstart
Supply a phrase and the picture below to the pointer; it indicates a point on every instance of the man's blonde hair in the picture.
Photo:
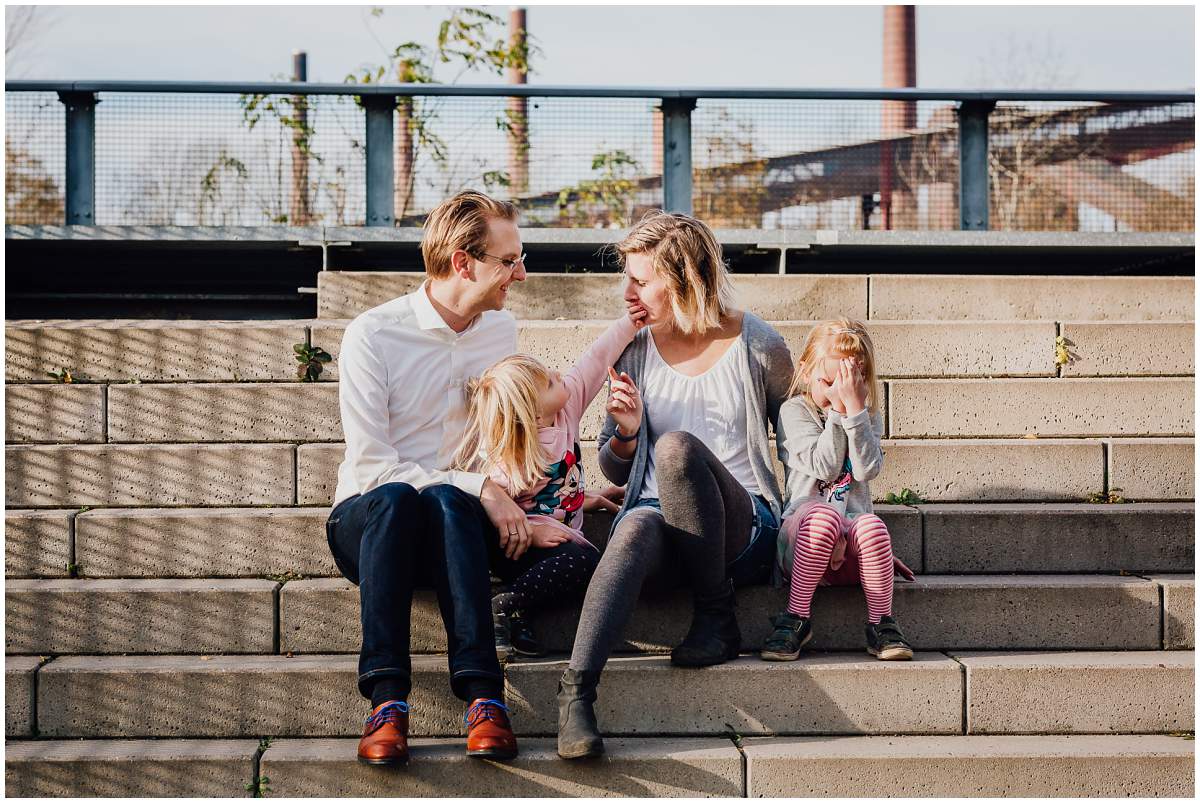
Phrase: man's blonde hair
(840, 337)
(460, 223)
(686, 254)
(502, 427)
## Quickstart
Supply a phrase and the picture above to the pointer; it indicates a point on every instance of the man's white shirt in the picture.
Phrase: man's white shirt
(402, 374)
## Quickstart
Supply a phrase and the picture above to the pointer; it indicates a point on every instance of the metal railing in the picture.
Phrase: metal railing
(879, 158)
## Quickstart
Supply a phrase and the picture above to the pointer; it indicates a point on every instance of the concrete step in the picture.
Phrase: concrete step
(58, 617)
(130, 768)
(844, 766)
(84, 616)
(971, 766)
(824, 693)
(951, 470)
(344, 294)
(1079, 692)
(1000, 408)
(986, 538)
(980, 612)
(915, 766)
(123, 352)
(244, 412)
(233, 696)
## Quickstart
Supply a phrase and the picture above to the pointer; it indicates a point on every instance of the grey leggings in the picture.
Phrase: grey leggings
(705, 522)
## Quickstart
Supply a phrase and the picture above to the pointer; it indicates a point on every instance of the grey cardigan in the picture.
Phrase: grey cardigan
(766, 375)
(829, 457)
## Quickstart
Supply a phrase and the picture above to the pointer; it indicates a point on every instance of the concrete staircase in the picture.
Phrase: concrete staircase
(175, 624)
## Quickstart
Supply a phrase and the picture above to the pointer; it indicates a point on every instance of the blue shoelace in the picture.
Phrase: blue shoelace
(483, 709)
(390, 712)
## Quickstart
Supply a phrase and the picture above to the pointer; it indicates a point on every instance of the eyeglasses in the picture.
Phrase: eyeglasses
(510, 264)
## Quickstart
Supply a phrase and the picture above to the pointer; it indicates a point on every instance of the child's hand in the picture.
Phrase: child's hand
(609, 499)
(853, 386)
(546, 536)
(819, 392)
(837, 399)
(624, 402)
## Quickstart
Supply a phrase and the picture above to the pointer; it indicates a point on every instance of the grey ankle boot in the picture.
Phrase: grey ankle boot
(578, 733)
(714, 637)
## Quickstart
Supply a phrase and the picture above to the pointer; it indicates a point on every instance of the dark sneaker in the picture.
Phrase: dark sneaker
(503, 628)
(522, 638)
(791, 633)
(886, 641)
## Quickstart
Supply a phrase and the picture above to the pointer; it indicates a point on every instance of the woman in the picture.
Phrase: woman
(686, 432)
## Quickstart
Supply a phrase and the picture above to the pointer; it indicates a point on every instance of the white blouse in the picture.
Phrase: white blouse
(711, 406)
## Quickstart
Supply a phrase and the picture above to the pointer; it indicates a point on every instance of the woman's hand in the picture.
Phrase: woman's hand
(637, 314)
(853, 386)
(546, 536)
(508, 518)
(609, 499)
(624, 402)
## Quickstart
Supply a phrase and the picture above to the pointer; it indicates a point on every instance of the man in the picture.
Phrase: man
(400, 516)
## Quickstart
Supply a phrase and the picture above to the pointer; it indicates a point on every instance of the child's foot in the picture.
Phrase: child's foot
(502, 626)
(522, 637)
(886, 641)
(790, 635)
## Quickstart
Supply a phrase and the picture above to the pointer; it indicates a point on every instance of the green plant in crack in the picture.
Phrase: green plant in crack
(907, 496)
(260, 786)
(734, 736)
(1111, 497)
(312, 361)
(63, 375)
(1062, 351)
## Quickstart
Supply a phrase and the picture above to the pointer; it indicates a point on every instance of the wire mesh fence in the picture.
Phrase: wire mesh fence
(227, 159)
(1092, 167)
(818, 164)
(34, 160)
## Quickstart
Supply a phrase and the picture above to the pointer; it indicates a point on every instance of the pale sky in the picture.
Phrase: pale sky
(1079, 47)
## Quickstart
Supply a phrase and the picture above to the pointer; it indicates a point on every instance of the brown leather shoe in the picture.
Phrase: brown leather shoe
(489, 733)
(385, 735)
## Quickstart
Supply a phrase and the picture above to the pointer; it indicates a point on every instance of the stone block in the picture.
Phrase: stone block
(1179, 610)
(37, 543)
(1079, 692)
(54, 413)
(1128, 348)
(141, 616)
(1151, 469)
(970, 766)
(153, 351)
(19, 679)
(991, 408)
(302, 411)
(1004, 298)
(151, 475)
(203, 542)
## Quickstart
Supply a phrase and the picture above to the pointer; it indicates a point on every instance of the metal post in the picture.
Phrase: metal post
(300, 210)
(381, 164)
(973, 164)
(677, 154)
(81, 158)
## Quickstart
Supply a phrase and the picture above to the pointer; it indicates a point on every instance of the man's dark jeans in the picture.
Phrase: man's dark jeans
(394, 538)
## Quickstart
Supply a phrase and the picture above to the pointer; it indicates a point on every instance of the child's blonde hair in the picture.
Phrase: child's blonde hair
(502, 427)
(840, 337)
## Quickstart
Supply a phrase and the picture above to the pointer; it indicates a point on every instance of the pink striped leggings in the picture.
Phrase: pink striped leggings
(817, 530)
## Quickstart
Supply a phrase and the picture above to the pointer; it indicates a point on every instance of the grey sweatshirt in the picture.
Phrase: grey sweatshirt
(829, 457)
(766, 375)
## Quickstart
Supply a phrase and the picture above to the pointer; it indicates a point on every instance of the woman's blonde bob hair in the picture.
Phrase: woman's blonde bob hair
(502, 427)
(686, 255)
(840, 337)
